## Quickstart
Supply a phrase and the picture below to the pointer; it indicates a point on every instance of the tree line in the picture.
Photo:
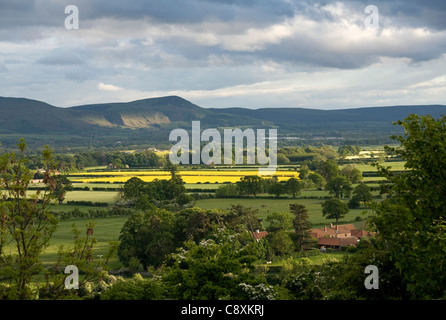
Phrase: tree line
(67, 162)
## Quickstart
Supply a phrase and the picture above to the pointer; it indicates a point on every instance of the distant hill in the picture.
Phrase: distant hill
(301, 115)
(148, 122)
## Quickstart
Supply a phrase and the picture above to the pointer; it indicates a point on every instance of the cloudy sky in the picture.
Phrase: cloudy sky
(225, 53)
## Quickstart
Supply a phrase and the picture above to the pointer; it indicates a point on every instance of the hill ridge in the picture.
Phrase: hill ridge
(150, 120)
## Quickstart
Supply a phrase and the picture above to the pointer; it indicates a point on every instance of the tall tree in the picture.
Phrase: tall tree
(293, 186)
(148, 236)
(334, 209)
(279, 221)
(302, 225)
(304, 171)
(329, 170)
(317, 179)
(250, 185)
(26, 219)
(63, 185)
(352, 173)
(340, 187)
(411, 221)
(277, 188)
(241, 218)
(362, 193)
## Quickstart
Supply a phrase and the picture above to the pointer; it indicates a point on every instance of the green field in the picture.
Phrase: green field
(108, 229)
(267, 206)
(395, 165)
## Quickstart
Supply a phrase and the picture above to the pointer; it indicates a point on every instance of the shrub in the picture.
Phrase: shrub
(136, 288)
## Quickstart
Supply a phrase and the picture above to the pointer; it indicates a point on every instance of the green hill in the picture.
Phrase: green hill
(149, 122)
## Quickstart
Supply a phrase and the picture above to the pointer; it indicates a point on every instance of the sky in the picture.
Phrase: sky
(225, 53)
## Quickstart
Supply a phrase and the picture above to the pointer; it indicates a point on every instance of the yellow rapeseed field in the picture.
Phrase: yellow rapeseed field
(191, 176)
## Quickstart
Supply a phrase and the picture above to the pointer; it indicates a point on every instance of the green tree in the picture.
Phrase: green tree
(26, 220)
(198, 223)
(349, 150)
(362, 193)
(353, 174)
(329, 170)
(250, 185)
(210, 271)
(282, 159)
(411, 221)
(304, 171)
(226, 191)
(280, 243)
(317, 179)
(63, 185)
(302, 226)
(279, 221)
(293, 186)
(276, 188)
(241, 218)
(340, 186)
(148, 236)
(334, 209)
(174, 172)
(134, 188)
(136, 288)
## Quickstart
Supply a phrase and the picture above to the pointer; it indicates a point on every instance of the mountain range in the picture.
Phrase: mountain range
(148, 122)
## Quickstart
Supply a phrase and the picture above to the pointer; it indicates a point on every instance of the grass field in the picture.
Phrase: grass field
(108, 229)
(395, 165)
(267, 206)
(105, 230)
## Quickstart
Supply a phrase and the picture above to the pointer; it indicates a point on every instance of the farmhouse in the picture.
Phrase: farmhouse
(338, 236)
(259, 234)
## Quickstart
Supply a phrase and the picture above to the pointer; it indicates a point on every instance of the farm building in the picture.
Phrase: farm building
(338, 236)
(259, 234)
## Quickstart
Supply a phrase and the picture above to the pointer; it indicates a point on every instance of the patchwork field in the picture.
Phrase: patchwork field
(108, 229)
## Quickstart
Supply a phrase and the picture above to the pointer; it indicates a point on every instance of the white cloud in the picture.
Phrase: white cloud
(319, 55)
(108, 87)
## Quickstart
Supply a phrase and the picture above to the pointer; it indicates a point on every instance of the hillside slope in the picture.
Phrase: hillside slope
(149, 121)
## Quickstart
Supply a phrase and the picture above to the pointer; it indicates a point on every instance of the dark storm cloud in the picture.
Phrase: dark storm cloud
(20, 13)
(192, 11)
(414, 13)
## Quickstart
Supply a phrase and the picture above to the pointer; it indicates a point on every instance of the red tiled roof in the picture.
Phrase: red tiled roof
(259, 234)
(361, 233)
(338, 241)
(329, 241)
(349, 241)
(345, 230)
(348, 227)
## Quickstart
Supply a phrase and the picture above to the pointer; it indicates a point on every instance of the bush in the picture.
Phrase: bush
(137, 288)
(88, 203)
(227, 191)
(100, 213)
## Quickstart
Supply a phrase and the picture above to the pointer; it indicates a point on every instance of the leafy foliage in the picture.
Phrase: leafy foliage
(26, 220)
(411, 221)
(210, 270)
(334, 209)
